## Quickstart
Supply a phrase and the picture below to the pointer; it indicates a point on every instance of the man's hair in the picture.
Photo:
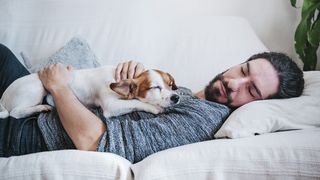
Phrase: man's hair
(291, 82)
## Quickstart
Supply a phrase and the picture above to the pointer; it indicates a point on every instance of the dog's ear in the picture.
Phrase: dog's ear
(172, 82)
(125, 88)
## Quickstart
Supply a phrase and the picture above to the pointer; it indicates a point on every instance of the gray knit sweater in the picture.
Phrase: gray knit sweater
(136, 135)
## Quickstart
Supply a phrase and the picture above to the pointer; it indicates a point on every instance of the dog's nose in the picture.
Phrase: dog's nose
(175, 98)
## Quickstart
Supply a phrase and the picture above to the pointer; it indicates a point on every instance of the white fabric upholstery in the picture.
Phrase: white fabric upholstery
(192, 49)
(67, 164)
(279, 156)
(282, 155)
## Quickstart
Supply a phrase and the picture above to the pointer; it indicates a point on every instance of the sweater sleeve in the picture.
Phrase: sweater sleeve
(136, 135)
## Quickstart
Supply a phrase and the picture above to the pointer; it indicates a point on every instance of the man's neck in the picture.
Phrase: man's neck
(200, 94)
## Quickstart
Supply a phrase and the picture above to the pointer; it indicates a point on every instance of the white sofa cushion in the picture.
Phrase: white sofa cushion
(282, 155)
(67, 164)
(277, 114)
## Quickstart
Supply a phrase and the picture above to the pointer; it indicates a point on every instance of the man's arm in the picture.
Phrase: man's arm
(83, 127)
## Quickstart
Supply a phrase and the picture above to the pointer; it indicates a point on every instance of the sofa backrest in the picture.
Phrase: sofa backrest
(192, 49)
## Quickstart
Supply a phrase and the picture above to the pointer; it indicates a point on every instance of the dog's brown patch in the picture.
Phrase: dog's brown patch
(168, 79)
(143, 83)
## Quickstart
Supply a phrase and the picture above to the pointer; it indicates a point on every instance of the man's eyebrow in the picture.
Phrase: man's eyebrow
(253, 84)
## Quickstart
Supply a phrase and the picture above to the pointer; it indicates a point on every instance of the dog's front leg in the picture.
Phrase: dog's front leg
(119, 107)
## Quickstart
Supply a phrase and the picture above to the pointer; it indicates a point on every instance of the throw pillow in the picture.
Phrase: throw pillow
(76, 53)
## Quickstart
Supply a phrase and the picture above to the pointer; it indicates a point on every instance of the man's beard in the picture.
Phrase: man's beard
(212, 93)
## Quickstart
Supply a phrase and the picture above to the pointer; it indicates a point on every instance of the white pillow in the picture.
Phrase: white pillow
(267, 116)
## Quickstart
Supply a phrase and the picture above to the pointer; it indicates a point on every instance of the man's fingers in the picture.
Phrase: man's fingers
(132, 69)
(40, 73)
(118, 72)
(69, 67)
(50, 66)
(128, 70)
(124, 72)
(138, 70)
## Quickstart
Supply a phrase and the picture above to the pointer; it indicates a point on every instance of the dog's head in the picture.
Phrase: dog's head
(152, 86)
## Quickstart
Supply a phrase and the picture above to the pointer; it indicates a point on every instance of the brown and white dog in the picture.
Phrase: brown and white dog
(151, 91)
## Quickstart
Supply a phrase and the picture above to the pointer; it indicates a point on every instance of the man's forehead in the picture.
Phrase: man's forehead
(262, 66)
(265, 76)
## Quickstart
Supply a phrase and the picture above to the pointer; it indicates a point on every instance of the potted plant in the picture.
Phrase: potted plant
(307, 35)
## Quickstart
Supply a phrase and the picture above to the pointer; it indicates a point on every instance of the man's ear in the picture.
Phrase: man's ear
(125, 88)
(173, 84)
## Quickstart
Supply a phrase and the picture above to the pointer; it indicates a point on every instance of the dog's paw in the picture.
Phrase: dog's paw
(107, 115)
(47, 108)
(157, 110)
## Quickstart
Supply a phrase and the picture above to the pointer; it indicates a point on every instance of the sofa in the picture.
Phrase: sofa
(280, 143)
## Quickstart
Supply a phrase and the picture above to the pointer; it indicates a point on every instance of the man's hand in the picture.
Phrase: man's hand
(128, 70)
(55, 77)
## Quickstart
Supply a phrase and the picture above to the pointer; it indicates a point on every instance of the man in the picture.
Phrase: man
(138, 134)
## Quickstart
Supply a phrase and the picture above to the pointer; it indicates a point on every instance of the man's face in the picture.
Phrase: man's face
(241, 84)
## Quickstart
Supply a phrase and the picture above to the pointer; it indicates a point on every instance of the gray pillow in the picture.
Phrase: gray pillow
(76, 53)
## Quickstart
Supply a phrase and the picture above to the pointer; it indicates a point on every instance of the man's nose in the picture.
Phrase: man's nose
(236, 83)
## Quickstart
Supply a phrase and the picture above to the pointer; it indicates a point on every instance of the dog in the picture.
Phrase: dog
(152, 91)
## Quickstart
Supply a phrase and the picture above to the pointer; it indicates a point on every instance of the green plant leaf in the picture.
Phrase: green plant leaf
(314, 34)
(307, 14)
(301, 37)
(314, 1)
(310, 60)
(302, 34)
(293, 3)
(307, 5)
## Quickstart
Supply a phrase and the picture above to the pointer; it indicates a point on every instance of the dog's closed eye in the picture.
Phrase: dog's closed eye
(156, 87)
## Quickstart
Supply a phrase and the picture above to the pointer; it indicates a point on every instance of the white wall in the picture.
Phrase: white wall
(274, 21)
